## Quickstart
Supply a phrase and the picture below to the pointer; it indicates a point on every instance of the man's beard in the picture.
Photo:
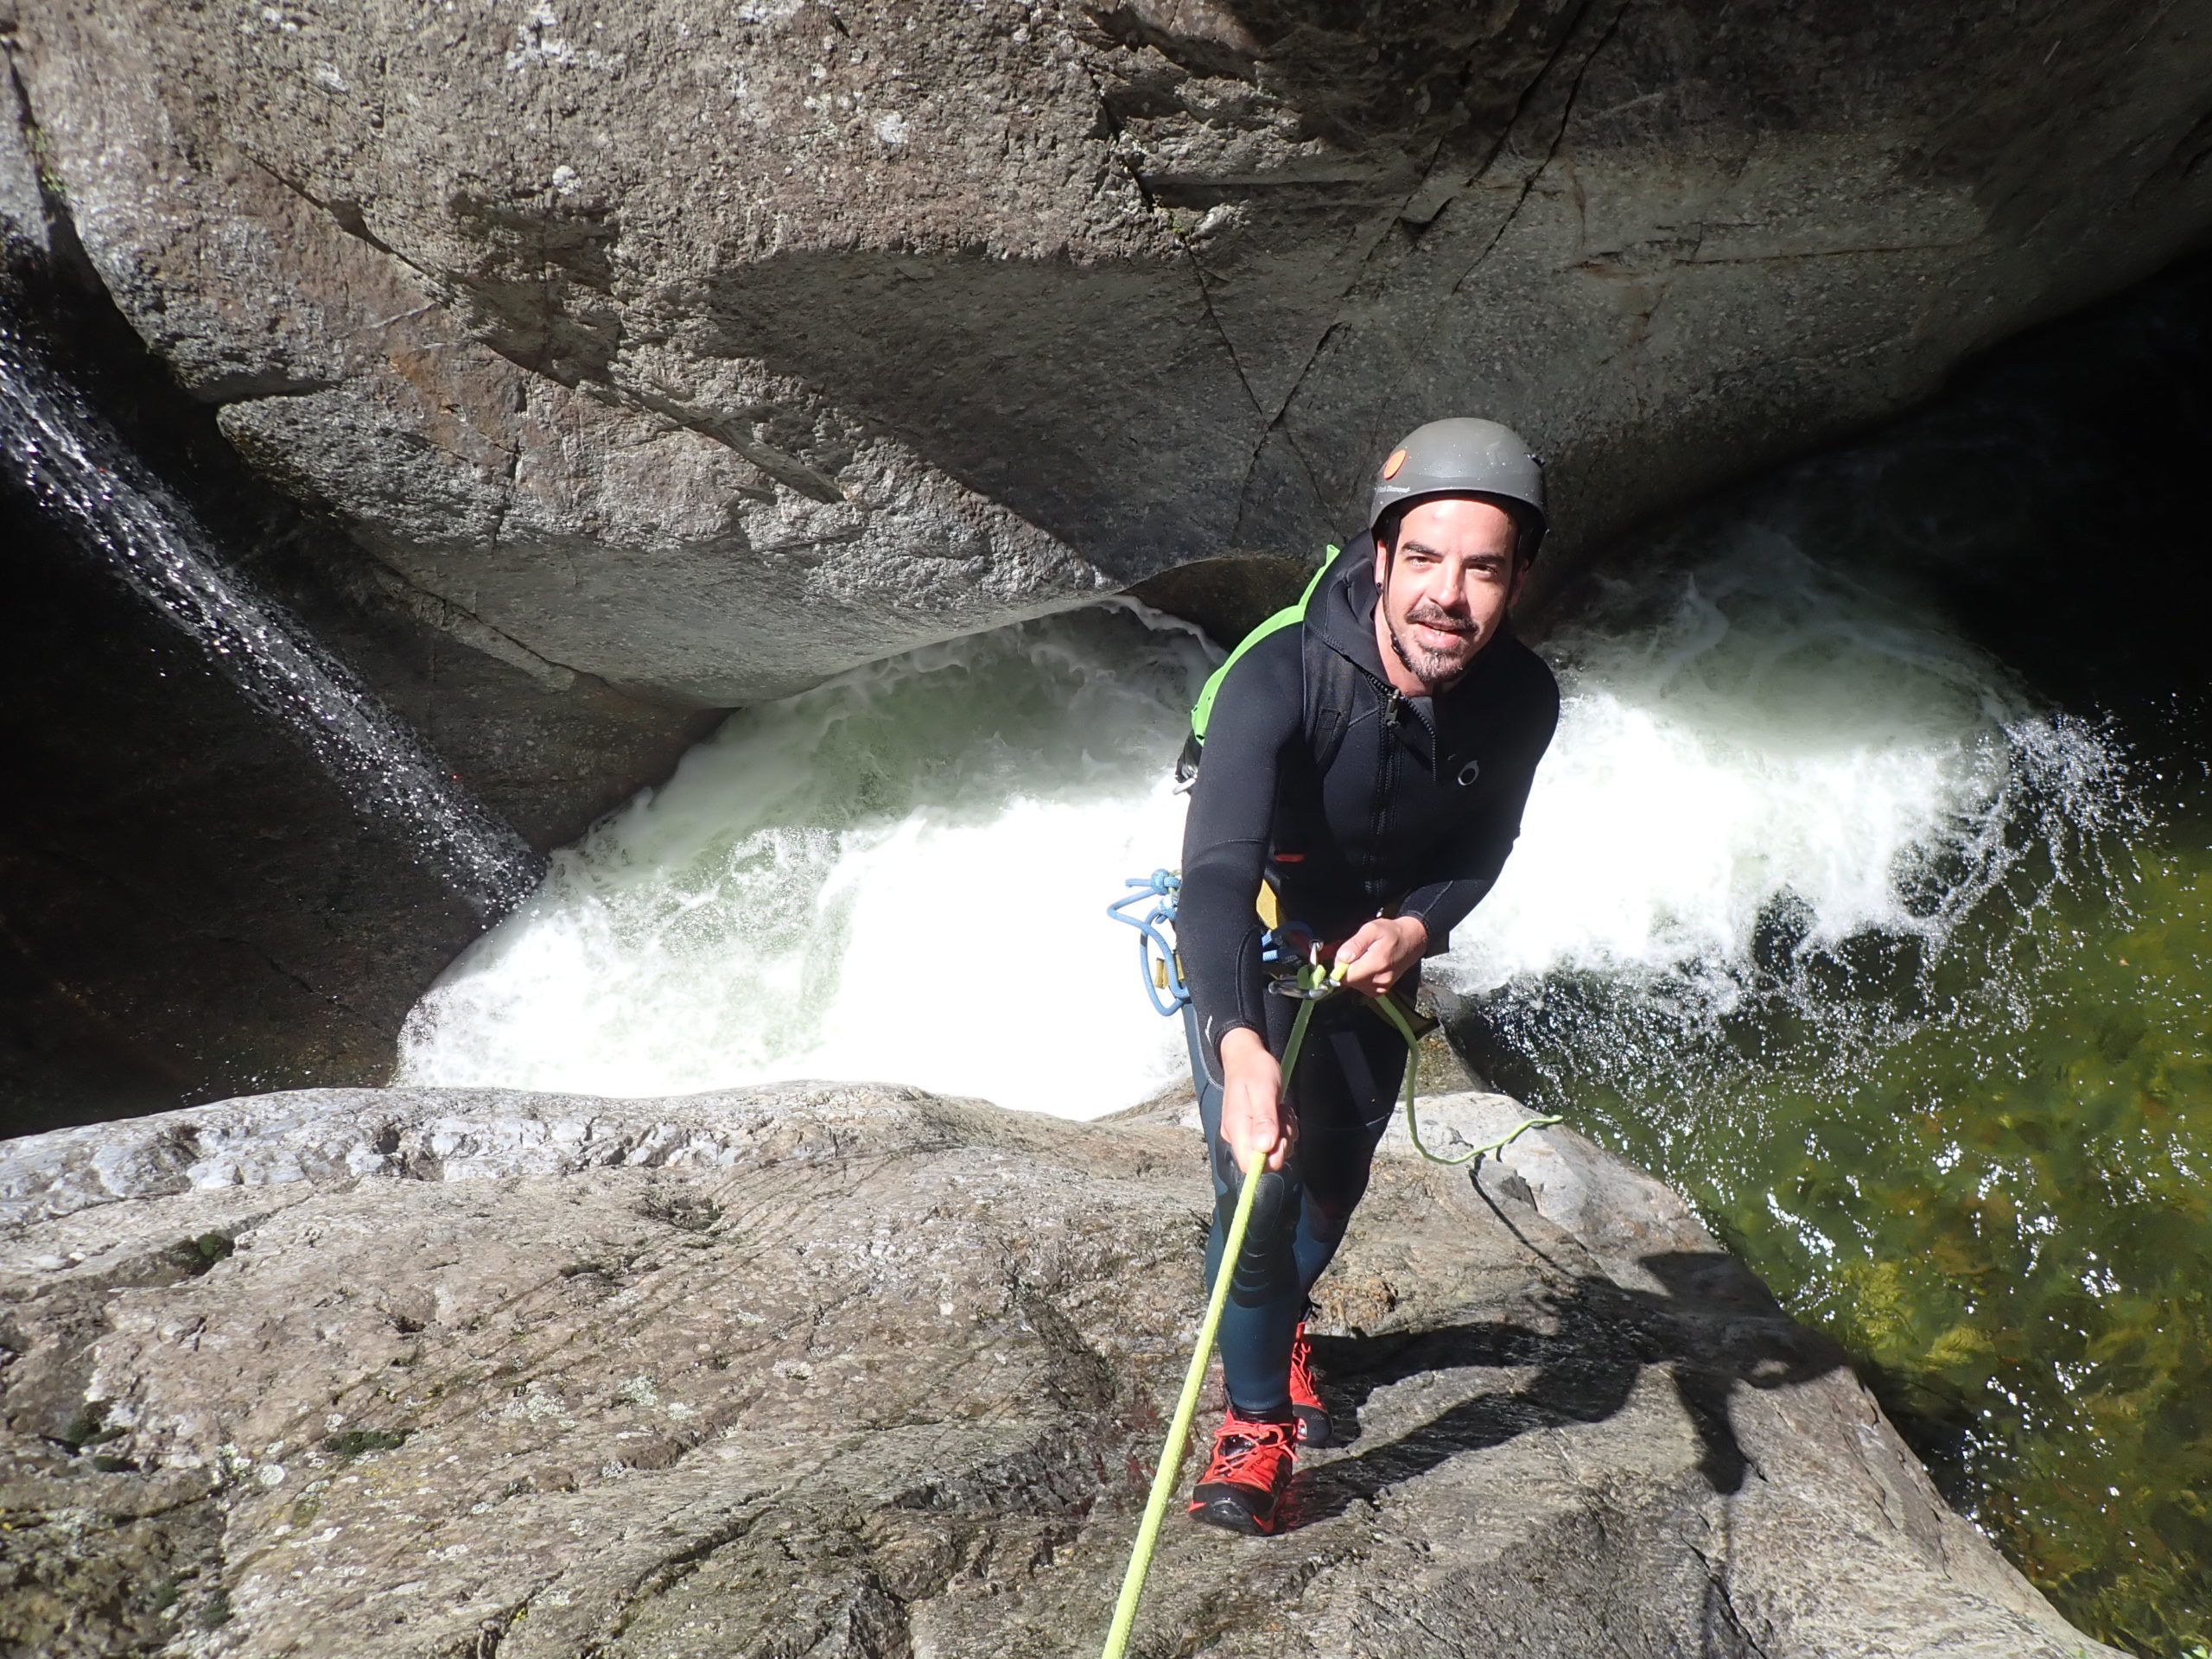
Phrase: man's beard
(1432, 667)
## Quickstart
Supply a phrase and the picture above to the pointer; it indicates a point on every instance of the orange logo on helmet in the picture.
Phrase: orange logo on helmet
(1390, 467)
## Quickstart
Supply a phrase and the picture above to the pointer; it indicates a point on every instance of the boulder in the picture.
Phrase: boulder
(711, 349)
(852, 1369)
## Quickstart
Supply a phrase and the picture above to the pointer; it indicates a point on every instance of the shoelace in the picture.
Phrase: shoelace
(1301, 1372)
(1235, 1450)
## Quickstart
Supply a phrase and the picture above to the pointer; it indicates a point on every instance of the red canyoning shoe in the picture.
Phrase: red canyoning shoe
(1313, 1425)
(1243, 1487)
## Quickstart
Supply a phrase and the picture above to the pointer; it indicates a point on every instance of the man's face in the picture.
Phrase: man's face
(1446, 592)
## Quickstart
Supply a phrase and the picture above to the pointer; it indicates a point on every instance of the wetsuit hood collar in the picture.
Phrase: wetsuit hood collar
(1345, 615)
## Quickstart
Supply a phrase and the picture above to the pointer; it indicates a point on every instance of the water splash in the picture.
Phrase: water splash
(1755, 746)
(75, 466)
(900, 874)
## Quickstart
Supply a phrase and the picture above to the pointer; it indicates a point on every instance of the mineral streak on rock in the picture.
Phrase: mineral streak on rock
(858, 1371)
(710, 349)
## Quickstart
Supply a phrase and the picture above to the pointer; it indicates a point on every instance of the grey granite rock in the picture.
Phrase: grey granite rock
(850, 1369)
(710, 349)
(25, 236)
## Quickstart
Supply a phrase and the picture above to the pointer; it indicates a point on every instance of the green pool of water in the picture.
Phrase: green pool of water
(1988, 1172)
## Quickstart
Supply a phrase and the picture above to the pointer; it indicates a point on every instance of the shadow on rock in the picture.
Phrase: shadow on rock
(1711, 1326)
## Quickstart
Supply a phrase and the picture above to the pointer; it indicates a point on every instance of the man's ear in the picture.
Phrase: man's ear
(1382, 564)
(1521, 568)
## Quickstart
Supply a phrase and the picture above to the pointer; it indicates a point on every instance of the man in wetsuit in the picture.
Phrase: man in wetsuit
(1369, 766)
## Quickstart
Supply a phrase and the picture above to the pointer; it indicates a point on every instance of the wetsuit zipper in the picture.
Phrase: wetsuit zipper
(1386, 777)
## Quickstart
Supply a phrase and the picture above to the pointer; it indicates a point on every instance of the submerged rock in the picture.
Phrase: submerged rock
(860, 1371)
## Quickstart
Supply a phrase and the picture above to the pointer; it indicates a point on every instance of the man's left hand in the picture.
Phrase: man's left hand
(1382, 953)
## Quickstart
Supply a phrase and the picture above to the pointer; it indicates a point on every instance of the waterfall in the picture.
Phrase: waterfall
(77, 468)
(900, 875)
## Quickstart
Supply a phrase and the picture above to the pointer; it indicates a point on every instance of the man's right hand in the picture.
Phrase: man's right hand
(1253, 1122)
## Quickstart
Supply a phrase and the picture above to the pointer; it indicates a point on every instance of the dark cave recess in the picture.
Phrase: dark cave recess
(188, 907)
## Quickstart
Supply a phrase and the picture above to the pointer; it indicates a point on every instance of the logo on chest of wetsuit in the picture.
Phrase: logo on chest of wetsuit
(1469, 772)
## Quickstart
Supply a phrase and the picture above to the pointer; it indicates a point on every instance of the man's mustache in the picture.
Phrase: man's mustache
(1430, 614)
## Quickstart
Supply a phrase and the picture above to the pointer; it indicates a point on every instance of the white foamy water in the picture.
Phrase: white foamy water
(898, 875)
(1752, 727)
(901, 874)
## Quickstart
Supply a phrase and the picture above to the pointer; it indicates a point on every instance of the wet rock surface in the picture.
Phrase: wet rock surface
(858, 1371)
(194, 908)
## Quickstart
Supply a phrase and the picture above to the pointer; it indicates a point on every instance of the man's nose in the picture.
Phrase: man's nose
(1451, 592)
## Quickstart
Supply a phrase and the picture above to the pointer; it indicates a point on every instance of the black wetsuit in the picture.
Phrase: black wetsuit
(1413, 816)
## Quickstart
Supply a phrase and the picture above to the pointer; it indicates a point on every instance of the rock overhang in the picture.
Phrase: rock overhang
(710, 354)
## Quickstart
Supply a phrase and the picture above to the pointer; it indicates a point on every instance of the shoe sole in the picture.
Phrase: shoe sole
(1232, 1515)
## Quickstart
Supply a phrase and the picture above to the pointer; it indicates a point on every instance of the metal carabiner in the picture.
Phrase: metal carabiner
(1312, 981)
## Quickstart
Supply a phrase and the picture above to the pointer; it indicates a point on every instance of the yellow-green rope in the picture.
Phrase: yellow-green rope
(1186, 1406)
(1391, 1012)
(1310, 980)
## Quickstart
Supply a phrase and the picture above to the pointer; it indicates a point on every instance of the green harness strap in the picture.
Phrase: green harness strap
(1201, 710)
(1311, 978)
